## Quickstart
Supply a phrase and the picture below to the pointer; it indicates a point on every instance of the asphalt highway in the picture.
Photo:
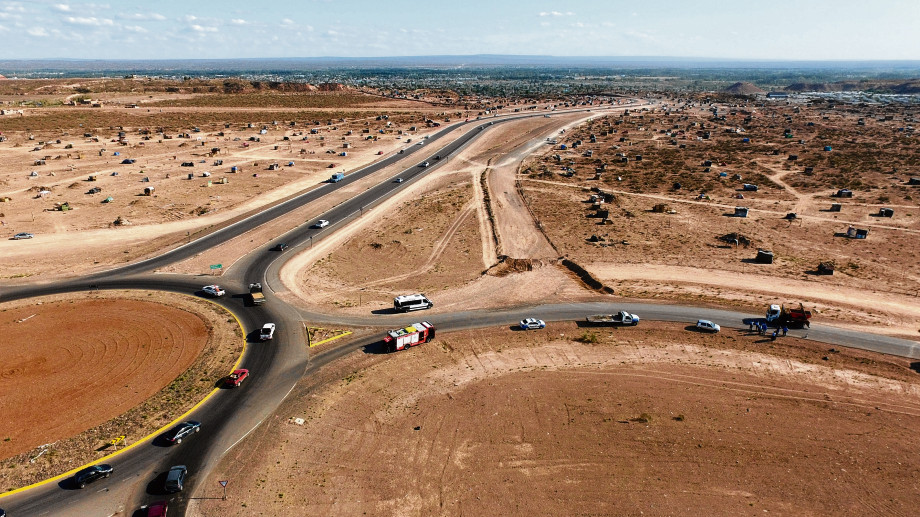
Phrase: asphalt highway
(278, 365)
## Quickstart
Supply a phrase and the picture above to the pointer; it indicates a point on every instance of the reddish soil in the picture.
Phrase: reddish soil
(71, 365)
(653, 420)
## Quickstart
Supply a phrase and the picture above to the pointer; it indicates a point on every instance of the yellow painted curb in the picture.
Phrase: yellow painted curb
(149, 436)
(333, 338)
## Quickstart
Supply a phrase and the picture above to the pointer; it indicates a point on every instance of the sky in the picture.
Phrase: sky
(216, 29)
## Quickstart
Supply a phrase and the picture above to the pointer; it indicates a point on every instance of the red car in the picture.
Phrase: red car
(157, 509)
(236, 378)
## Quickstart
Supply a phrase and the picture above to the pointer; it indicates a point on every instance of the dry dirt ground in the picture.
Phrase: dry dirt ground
(679, 252)
(79, 372)
(655, 419)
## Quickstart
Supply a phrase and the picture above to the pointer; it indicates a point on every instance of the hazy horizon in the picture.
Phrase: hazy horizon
(781, 30)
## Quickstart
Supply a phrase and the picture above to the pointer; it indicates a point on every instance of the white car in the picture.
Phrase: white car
(423, 164)
(267, 332)
(23, 235)
(322, 223)
(213, 290)
(532, 324)
(707, 326)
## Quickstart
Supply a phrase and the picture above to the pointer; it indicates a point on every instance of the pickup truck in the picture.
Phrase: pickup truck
(255, 294)
(621, 318)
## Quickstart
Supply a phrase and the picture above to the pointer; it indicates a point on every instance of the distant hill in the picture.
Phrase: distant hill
(743, 88)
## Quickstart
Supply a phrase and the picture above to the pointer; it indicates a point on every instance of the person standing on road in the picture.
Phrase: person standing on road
(785, 329)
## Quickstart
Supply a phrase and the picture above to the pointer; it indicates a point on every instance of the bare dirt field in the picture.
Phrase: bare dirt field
(80, 372)
(654, 419)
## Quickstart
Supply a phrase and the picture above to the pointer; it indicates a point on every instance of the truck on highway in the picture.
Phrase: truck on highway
(337, 177)
(403, 338)
(780, 315)
(255, 294)
(621, 318)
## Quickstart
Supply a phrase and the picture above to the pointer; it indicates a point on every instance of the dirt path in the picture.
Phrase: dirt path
(519, 234)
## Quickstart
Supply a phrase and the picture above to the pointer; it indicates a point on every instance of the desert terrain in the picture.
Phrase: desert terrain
(83, 371)
(653, 420)
(656, 419)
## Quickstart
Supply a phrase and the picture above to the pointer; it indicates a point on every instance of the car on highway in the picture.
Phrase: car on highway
(90, 474)
(707, 326)
(236, 378)
(213, 290)
(398, 180)
(157, 509)
(182, 430)
(420, 143)
(423, 164)
(280, 247)
(401, 151)
(532, 324)
(267, 332)
(322, 223)
(175, 479)
(23, 235)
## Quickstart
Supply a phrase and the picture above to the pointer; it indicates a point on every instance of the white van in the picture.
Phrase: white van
(411, 302)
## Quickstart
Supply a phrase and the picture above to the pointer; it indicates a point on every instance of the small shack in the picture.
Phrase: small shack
(885, 212)
(913, 181)
(741, 211)
(844, 192)
(749, 187)
(764, 257)
(826, 268)
(835, 207)
(148, 191)
(857, 233)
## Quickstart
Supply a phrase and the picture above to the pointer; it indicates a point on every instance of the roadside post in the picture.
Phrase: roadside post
(223, 483)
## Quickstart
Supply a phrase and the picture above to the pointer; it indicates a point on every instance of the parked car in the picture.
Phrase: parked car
(280, 247)
(175, 479)
(267, 332)
(90, 474)
(707, 326)
(157, 509)
(532, 324)
(23, 235)
(213, 290)
(236, 378)
(182, 430)
(322, 223)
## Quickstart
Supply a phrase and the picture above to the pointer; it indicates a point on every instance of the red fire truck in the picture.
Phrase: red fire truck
(403, 338)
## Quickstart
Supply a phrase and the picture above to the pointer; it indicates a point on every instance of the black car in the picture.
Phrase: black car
(182, 430)
(280, 247)
(90, 474)
(175, 479)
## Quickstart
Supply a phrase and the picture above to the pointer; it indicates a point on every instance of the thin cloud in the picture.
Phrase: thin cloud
(238, 21)
(91, 21)
(135, 28)
(201, 28)
(64, 8)
(145, 16)
(39, 32)
(555, 13)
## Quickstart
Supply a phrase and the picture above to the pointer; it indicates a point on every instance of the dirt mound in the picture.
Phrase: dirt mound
(507, 266)
(331, 87)
(742, 88)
